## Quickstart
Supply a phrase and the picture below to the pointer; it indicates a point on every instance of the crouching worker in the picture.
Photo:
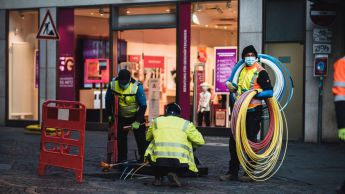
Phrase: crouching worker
(171, 149)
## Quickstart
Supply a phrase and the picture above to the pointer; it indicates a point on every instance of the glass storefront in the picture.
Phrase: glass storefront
(151, 57)
(100, 40)
(23, 65)
(214, 26)
(92, 54)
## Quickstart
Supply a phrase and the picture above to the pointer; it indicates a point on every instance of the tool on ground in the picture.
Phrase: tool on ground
(108, 166)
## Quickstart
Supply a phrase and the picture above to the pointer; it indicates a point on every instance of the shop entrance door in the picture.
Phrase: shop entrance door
(291, 54)
(151, 59)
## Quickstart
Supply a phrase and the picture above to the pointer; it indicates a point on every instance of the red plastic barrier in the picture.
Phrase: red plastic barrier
(64, 148)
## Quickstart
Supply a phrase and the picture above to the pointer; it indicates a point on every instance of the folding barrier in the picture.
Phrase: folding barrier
(65, 147)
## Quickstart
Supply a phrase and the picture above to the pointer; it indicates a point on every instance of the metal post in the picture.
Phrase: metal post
(228, 111)
(46, 71)
(319, 115)
(101, 103)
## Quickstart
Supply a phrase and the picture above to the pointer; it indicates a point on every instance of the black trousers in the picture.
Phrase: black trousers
(122, 144)
(340, 113)
(204, 115)
(253, 121)
(163, 166)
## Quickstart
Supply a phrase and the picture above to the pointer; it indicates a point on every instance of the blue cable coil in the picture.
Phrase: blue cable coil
(283, 79)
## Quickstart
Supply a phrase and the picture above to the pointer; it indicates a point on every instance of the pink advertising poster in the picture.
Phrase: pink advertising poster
(96, 71)
(225, 60)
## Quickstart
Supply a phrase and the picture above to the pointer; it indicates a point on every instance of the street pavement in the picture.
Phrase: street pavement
(308, 168)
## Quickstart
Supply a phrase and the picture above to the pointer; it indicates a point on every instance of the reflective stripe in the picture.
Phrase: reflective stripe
(174, 154)
(338, 84)
(170, 144)
(127, 111)
(185, 126)
(134, 87)
(112, 85)
(155, 123)
(339, 98)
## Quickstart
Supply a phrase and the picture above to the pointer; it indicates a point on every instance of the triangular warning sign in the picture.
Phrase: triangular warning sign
(47, 28)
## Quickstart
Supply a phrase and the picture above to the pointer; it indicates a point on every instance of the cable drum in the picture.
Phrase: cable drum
(283, 80)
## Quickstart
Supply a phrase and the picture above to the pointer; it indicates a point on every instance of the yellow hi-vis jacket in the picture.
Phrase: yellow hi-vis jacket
(173, 137)
(248, 81)
(128, 105)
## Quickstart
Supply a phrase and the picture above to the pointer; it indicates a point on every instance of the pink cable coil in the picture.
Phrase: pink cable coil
(266, 141)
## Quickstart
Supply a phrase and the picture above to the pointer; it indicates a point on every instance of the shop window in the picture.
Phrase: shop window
(92, 58)
(151, 58)
(214, 25)
(23, 64)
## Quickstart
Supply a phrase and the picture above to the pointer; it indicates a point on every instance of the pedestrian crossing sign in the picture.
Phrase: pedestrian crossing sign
(47, 28)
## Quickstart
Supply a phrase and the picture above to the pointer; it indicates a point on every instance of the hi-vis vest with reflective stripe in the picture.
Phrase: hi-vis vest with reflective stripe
(339, 80)
(128, 105)
(170, 140)
(248, 81)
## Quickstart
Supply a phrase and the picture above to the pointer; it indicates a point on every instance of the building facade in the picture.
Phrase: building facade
(109, 34)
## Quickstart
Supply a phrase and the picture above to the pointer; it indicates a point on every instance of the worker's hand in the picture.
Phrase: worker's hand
(231, 86)
(110, 120)
(341, 134)
(135, 125)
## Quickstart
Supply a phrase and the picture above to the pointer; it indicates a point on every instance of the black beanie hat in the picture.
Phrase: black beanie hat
(249, 49)
(124, 76)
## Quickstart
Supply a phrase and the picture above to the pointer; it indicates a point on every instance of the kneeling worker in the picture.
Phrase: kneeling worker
(172, 142)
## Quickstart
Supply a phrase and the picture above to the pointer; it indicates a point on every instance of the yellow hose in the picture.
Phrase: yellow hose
(263, 165)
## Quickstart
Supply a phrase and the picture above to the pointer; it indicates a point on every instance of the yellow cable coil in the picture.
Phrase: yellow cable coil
(261, 166)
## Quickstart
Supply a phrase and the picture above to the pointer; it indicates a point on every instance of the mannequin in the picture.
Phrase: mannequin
(204, 105)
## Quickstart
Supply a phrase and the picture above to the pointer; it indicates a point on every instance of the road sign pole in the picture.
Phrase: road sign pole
(319, 115)
(46, 76)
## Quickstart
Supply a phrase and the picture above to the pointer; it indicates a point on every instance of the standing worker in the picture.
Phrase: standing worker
(253, 76)
(339, 102)
(204, 105)
(339, 96)
(172, 142)
(131, 110)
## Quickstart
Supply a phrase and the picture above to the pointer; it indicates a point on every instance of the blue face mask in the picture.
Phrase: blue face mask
(124, 86)
(249, 60)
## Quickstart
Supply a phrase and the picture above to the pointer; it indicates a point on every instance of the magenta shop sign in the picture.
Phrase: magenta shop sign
(66, 78)
(183, 93)
(225, 60)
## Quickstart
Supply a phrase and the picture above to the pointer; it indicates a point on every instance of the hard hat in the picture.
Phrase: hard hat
(124, 76)
(173, 109)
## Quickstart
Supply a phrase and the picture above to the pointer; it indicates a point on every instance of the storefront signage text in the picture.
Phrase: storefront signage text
(225, 60)
(154, 62)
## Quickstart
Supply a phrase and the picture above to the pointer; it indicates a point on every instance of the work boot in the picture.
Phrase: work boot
(229, 177)
(174, 179)
(157, 182)
(245, 178)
